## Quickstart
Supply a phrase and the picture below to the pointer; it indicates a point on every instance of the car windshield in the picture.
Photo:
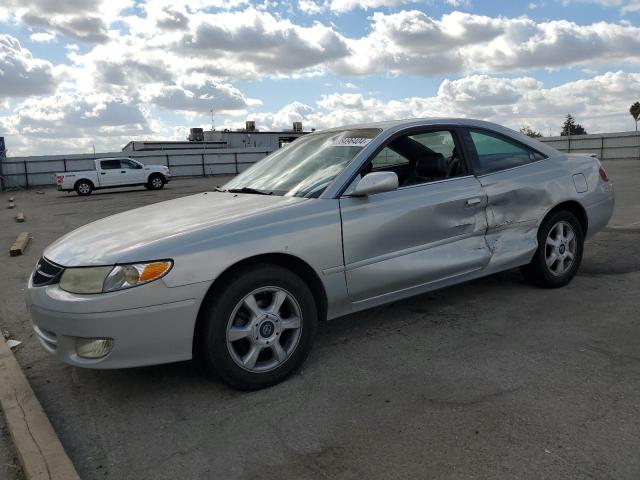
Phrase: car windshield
(305, 167)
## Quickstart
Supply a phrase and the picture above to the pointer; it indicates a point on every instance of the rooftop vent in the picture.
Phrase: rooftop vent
(196, 135)
(250, 126)
(297, 126)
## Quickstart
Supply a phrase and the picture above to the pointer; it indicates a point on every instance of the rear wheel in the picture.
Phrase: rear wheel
(559, 253)
(258, 328)
(83, 188)
(156, 182)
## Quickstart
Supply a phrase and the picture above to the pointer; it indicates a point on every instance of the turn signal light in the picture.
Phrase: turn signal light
(154, 270)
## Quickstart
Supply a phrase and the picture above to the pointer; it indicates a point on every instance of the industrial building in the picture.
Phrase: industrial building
(248, 137)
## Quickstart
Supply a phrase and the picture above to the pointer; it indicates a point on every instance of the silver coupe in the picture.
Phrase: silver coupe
(338, 221)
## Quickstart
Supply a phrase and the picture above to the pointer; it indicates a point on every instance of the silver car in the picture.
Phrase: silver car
(337, 221)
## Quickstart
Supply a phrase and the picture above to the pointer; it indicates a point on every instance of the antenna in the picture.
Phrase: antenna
(213, 123)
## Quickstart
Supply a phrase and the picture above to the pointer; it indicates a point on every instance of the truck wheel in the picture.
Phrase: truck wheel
(559, 253)
(84, 188)
(258, 328)
(156, 182)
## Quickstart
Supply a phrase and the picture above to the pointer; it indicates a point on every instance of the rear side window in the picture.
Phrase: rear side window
(129, 164)
(495, 153)
(110, 164)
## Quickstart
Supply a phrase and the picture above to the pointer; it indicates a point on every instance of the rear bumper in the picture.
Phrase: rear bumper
(160, 332)
(599, 212)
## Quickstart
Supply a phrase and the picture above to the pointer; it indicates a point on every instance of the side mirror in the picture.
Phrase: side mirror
(375, 182)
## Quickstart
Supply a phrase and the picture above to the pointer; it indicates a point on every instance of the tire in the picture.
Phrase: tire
(156, 182)
(560, 237)
(239, 346)
(83, 188)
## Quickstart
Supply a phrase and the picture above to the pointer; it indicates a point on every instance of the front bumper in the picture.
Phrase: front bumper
(150, 324)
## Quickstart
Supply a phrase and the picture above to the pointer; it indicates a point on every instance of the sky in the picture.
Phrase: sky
(79, 74)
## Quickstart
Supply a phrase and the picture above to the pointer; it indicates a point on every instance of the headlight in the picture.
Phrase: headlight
(109, 279)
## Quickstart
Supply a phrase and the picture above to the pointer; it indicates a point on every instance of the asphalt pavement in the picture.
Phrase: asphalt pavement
(488, 379)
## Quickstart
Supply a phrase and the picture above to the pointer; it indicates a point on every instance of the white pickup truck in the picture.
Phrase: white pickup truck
(112, 173)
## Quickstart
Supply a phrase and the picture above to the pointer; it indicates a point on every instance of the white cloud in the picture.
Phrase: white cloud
(199, 97)
(625, 6)
(346, 5)
(413, 42)
(310, 7)
(258, 38)
(21, 74)
(86, 20)
(43, 37)
(66, 122)
(600, 104)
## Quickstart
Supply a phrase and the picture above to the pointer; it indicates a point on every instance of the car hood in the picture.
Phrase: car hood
(127, 236)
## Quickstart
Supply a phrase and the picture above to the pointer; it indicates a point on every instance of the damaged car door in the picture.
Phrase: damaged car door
(428, 231)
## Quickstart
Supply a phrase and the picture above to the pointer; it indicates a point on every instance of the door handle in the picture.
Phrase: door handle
(103, 173)
(122, 171)
(473, 201)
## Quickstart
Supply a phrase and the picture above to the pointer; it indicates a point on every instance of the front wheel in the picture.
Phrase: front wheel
(559, 253)
(258, 329)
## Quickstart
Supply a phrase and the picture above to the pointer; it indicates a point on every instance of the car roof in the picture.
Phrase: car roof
(408, 122)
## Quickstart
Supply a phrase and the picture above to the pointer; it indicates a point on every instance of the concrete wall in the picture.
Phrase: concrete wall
(39, 170)
(606, 146)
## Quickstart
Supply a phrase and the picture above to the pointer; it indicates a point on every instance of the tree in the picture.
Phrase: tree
(530, 132)
(570, 127)
(634, 110)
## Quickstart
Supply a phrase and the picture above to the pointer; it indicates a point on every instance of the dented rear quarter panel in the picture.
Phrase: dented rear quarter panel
(518, 200)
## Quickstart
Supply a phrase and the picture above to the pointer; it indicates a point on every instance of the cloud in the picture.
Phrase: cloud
(68, 115)
(346, 5)
(625, 6)
(85, 20)
(21, 74)
(42, 37)
(413, 42)
(199, 97)
(600, 103)
(258, 38)
(66, 122)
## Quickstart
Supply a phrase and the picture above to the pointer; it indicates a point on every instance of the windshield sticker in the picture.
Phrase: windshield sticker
(350, 141)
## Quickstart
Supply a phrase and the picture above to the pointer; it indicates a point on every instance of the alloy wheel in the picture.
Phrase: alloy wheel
(560, 248)
(264, 329)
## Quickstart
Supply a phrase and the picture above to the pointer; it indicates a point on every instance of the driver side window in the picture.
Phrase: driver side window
(420, 158)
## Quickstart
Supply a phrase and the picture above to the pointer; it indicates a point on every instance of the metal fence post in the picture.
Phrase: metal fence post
(235, 154)
(26, 174)
(602, 147)
(203, 172)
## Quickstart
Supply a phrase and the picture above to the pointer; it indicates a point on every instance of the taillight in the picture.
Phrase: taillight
(603, 175)
(59, 178)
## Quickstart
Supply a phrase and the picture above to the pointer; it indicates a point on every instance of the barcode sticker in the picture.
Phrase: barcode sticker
(350, 142)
